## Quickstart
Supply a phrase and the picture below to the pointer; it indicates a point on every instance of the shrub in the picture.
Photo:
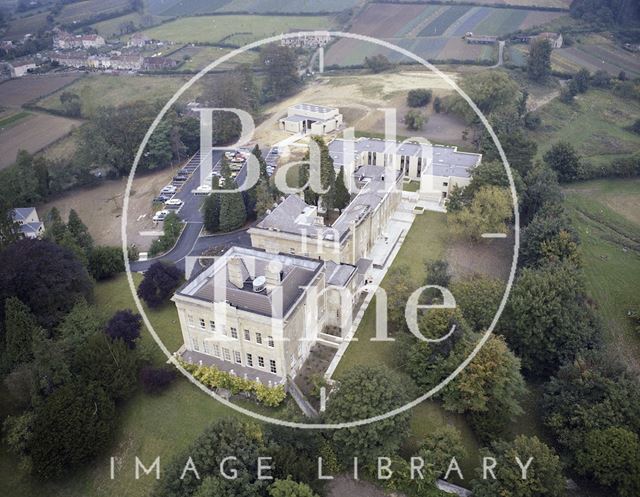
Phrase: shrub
(104, 262)
(419, 97)
(212, 377)
(156, 380)
(124, 325)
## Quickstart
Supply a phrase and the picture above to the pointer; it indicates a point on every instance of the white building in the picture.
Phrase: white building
(310, 118)
(27, 218)
(258, 314)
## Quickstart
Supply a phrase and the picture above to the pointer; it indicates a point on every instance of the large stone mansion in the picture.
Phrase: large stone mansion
(258, 311)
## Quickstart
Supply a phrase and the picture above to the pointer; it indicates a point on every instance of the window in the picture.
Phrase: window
(247, 335)
(194, 344)
(261, 361)
(212, 325)
(270, 341)
(202, 325)
(216, 350)
(445, 183)
(258, 337)
(272, 366)
(237, 357)
(249, 360)
(207, 347)
(234, 333)
(190, 319)
(226, 355)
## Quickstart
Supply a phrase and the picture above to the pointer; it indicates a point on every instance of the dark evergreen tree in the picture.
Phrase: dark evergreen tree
(341, 194)
(159, 283)
(20, 326)
(563, 158)
(124, 325)
(539, 60)
(105, 262)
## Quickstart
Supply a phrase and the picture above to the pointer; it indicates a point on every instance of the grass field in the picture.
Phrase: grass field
(12, 119)
(595, 124)
(100, 90)
(80, 11)
(200, 57)
(19, 91)
(606, 214)
(172, 8)
(110, 28)
(237, 30)
(24, 25)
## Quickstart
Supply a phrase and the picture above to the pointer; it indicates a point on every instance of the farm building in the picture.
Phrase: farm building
(307, 40)
(20, 67)
(27, 218)
(64, 40)
(138, 40)
(481, 39)
(554, 38)
(310, 118)
(158, 63)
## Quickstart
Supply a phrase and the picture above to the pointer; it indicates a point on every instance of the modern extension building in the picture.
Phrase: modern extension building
(312, 119)
(258, 314)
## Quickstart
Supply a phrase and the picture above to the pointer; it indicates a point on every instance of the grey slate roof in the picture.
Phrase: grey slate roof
(312, 107)
(22, 213)
(213, 284)
(339, 274)
(446, 161)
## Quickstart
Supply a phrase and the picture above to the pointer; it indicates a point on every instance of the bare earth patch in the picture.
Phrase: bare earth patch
(343, 486)
(101, 208)
(488, 258)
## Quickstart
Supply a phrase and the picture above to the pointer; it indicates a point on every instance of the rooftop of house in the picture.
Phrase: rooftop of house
(445, 161)
(255, 281)
(23, 213)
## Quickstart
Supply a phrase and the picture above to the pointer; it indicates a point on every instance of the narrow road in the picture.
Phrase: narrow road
(500, 55)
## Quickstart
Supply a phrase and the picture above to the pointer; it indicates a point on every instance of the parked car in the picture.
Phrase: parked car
(161, 215)
(174, 202)
(169, 189)
(161, 199)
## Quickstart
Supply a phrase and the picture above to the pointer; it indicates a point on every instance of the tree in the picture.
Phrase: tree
(563, 158)
(73, 425)
(490, 91)
(224, 437)
(50, 284)
(488, 212)
(478, 298)
(582, 78)
(233, 213)
(419, 97)
(211, 209)
(547, 320)
(78, 325)
(414, 120)
(20, 326)
(159, 145)
(541, 188)
(544, 474)
(112, 365)
(537, 238)
(79, 231)
(71, 104)
(290, 488)
(399, 285)
(437, 273)
(568, 92)
(264, 199)
(612, 456)
(589, 393)
(438, 447)
(539, 60)
(55, 227)
(105, 262)
(159, 283)
(377, 63)
(437, 105)
(124, 325)
(9, 229)
(601, 79)
(367, 391)
(341, 194)
(281, 65)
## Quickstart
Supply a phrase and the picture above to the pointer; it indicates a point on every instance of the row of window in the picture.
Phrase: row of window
(232, 355)
(233, 332)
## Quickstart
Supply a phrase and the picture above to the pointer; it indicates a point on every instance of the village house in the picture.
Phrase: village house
(27, 218)
(138, 40)
(158, 63)
(64, 41)
(555, 39)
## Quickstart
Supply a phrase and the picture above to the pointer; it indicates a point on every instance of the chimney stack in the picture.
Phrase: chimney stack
(273, 273)
(234, 271)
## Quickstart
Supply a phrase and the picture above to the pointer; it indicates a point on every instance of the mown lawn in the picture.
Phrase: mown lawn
(606, 214)
(596, 124)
